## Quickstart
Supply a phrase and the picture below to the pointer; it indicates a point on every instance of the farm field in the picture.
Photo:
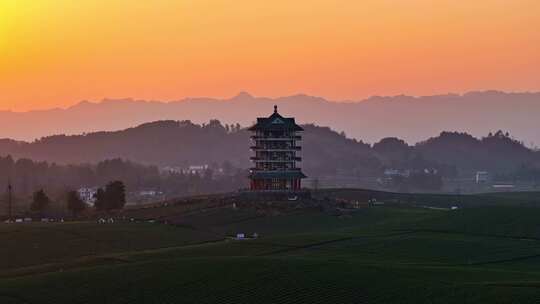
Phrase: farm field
(383, 254)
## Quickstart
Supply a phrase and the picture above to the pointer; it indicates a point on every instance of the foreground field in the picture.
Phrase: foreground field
(373, 255)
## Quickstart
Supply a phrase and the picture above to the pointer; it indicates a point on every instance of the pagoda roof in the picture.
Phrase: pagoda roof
(275, 122)
(277, 174)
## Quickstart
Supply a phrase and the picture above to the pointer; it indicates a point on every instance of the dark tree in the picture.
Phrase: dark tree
(115, 195)
(40, 201)
(74, 203)
(101, 202)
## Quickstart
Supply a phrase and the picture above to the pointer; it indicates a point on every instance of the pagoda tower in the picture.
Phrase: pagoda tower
(276, 145)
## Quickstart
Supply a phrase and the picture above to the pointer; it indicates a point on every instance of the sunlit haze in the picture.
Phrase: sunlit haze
(54, 53)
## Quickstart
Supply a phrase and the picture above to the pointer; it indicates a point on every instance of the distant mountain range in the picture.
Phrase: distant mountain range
(406, 117)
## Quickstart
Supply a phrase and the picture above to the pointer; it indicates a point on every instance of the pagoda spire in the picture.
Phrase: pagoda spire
(275, 108)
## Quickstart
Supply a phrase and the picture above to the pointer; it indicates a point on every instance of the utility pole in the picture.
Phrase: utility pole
(10, 189)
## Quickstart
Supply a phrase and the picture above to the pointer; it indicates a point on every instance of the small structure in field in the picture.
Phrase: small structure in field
(482, 177)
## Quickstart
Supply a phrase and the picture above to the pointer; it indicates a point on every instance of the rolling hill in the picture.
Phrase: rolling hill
(325, 152)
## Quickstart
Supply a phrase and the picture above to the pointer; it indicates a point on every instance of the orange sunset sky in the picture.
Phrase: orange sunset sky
(54, 53)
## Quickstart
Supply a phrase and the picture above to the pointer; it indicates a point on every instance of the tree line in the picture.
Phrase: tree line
(325, 153)
(108, 198)
(27, 176)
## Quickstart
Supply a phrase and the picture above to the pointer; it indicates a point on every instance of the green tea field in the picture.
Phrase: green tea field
(381, 254)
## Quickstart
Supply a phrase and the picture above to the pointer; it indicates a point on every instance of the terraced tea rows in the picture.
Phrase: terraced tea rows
(373, 255)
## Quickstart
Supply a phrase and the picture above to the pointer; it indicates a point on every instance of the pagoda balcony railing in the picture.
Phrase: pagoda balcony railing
(295, 148)
(292, 191)
(274, 170)
(274, 160)
(276, 138)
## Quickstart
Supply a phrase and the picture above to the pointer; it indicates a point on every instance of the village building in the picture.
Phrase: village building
(482, 177)
(196, 169)
(88, 195)
(275, 146)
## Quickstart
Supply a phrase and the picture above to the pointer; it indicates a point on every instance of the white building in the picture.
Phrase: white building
(389, 173)
(150, 193)
(482, 177)
(172, 170)
(193, 169)
(87, 195)
(198, 169)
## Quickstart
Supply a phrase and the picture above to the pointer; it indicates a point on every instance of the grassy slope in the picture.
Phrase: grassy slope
(376, 255)
(441, 200)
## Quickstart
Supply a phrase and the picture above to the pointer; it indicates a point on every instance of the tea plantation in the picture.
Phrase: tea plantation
(381, 254)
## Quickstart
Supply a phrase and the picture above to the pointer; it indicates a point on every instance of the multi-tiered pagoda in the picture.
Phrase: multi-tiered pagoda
(276, 144)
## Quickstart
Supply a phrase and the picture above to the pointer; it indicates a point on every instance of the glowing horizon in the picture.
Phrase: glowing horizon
(55, 53)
